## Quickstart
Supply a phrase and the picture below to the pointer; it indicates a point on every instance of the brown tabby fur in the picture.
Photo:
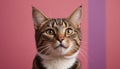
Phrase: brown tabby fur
(49, 31)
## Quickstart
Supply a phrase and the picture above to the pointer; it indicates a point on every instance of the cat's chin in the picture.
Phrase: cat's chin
(62, 50)
(51, 57)
(59, 52)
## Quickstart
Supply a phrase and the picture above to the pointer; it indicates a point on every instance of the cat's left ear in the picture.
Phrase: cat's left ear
(38, 17)
(75, 17)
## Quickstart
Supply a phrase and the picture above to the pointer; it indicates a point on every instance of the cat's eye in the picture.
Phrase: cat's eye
(50, 32)
(69, 31)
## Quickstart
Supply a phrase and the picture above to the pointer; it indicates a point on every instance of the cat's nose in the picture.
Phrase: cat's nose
(61, 40)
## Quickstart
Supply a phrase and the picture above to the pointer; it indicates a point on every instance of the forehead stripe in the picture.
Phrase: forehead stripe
(58, 21)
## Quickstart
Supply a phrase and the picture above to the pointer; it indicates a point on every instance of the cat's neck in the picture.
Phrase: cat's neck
(58, 63)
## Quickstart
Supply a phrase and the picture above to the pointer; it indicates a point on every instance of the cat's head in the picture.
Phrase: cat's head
(57, 36)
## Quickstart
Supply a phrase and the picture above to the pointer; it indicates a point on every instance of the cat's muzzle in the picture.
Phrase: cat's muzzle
(61, 45)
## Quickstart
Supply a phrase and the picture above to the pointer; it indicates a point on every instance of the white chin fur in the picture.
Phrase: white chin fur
(52, 62)
(72, 56)
(46, 57)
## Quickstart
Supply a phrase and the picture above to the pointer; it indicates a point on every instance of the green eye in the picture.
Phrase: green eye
(50, 32)
(69, 31)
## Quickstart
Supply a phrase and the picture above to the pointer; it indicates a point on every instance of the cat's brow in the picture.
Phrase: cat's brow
(58, 21)
(52, 21)
(66, 23)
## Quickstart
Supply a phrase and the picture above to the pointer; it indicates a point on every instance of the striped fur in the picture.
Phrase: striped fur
(57, 40)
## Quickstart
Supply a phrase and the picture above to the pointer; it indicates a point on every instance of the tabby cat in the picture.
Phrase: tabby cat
(57, 41)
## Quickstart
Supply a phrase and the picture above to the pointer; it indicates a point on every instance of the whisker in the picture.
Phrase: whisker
(84, 32)
(83, 57)
(83, 45)
(44, 49)
(74, 49)
(83, 52)
(84, 42)
(41, 47)
(47, 51)
(85, 48)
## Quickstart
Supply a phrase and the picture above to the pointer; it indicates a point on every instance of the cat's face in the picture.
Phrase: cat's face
(57, 37)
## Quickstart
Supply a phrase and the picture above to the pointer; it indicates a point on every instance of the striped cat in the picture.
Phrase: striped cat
(57, 41)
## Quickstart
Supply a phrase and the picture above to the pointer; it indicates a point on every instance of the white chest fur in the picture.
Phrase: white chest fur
(59, 63)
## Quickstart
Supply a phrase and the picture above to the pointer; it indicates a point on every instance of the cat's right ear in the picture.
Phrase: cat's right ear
(38, 17)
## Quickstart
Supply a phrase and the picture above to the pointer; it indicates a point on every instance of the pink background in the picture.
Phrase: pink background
(17, 43)
(113, 34)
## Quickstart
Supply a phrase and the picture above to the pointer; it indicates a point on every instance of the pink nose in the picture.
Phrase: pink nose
(61, 40)
(61, 37)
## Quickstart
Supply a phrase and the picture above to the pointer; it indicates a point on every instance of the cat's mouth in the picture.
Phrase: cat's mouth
(61, 46)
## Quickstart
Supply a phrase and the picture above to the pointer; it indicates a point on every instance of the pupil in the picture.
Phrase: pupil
(69, 31)
(51, 31)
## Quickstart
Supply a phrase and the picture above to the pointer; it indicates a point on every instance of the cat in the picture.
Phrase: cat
(58, 41)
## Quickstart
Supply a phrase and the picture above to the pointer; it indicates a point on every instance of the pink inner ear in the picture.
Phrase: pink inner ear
(37, 16)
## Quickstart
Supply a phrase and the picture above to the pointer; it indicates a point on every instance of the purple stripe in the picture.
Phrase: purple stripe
(96, 36)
